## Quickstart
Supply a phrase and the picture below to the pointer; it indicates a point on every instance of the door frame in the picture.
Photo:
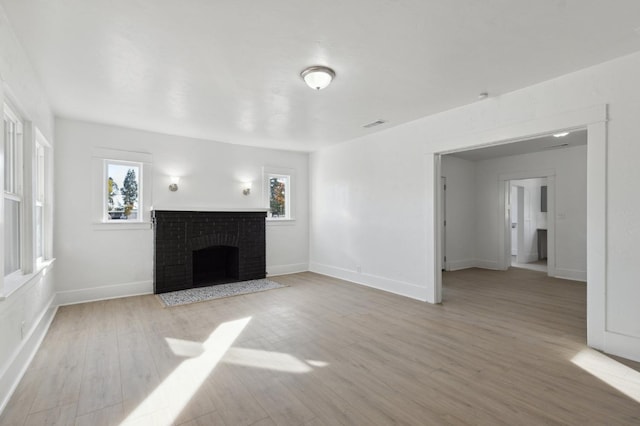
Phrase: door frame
(594, 119)
(504, 231)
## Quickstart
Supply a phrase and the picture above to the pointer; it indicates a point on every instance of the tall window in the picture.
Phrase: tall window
(40, 201)
(123, 190)
(12, 191)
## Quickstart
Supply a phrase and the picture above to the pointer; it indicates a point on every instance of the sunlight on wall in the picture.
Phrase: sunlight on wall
(610, 371)
(183, 383)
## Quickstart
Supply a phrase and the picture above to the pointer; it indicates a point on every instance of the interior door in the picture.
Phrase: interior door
(443, 223)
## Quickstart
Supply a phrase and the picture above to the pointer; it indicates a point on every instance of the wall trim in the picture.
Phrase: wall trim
(23, 355)
(487, 264)
(622, 345)
(571, 274)
(275, 270)
(393, 286)
(456, 265)
(72, 297)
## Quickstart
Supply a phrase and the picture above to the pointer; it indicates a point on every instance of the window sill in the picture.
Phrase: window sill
(280, 222)
(15, 281)
(121, 226)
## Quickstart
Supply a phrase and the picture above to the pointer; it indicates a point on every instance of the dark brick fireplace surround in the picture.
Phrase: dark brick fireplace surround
(200, 248)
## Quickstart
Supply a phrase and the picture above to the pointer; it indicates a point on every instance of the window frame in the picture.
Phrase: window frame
(42, 196)
(279, 172)
(106, 218)
(100, 157)
(16, 190)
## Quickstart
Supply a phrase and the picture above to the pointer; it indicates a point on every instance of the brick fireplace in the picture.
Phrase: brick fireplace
(202, 248)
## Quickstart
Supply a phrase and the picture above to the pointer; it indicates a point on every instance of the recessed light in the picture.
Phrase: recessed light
(560, 135)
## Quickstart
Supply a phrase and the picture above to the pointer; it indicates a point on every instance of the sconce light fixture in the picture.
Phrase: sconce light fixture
(246, 188)
(175, 180)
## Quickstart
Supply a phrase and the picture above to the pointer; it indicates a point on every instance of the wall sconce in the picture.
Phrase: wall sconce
(175, 180)
(246, 188)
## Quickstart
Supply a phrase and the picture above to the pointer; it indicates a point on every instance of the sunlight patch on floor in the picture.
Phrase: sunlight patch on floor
(610, 371)
(183, 383)
(268, 360)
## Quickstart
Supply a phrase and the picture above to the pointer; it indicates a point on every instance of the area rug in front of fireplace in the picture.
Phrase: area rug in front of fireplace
(201, 294)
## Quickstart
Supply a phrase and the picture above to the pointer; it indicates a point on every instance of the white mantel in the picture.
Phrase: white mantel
(208, 209)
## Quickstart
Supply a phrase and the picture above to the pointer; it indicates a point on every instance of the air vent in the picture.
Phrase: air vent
(374, 124)
(562, 145)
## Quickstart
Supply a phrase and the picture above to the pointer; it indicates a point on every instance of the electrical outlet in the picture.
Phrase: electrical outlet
(359, 269)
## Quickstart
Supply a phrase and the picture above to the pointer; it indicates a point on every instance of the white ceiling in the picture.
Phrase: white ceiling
(228, 70)
(543, 143)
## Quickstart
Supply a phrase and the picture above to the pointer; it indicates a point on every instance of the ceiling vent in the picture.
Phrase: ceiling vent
(374, 124)
(562, 145)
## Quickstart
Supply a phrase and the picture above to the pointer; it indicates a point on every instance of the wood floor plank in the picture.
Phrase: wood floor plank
(499, 350)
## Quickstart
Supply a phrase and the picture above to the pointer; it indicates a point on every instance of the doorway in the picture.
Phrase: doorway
(528, 220)
(594, 119)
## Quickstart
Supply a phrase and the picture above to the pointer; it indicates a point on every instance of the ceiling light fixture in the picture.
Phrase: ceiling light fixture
(560, 135)
(318, 77)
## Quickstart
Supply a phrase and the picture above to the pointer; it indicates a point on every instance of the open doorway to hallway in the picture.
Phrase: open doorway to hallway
(528, 210)
(521, 204)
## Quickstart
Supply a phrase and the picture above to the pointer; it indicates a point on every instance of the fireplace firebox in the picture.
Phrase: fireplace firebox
(201, 248)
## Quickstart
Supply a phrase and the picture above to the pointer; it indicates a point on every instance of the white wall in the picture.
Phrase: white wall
(570, 168)
(373, 198)
(96, 263)
(25, 314)
(460, 196)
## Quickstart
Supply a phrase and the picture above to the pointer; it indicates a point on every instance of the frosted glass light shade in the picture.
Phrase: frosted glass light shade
(318, 77)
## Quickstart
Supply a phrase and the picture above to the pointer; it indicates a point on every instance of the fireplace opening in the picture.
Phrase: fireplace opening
(215, 265)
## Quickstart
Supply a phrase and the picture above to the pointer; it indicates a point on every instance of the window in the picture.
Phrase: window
(123, 190)
(12, 191)
(278, 193)
(40, 180)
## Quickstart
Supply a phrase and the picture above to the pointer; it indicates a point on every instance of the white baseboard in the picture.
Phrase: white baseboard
(527, 258)
(570, 274)
(275, 270)
(456, 265)
(622, 345)
(23, 355)
(369, 280)
(486, 264)
(71, 297)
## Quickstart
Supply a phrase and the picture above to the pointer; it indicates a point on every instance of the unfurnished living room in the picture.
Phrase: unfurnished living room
(378, 212)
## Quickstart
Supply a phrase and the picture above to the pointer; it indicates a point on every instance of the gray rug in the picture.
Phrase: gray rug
(193, 295)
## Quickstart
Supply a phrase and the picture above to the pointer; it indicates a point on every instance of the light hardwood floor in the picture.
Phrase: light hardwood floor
(326, 352)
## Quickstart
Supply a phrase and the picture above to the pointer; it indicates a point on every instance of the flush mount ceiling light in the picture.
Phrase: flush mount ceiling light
(318, 77)
(560, 135)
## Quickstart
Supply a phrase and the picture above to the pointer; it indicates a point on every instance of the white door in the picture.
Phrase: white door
(513, 214)
(443, 223)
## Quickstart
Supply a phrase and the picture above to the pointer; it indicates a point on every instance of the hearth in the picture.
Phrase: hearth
(201, 248)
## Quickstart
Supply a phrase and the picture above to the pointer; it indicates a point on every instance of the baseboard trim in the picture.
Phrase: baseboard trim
(622, 345)
(486, 264)
(275, 270)
(570, 274)
(392, 286)
(23, 355)
(72, 297)
(456, 265)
